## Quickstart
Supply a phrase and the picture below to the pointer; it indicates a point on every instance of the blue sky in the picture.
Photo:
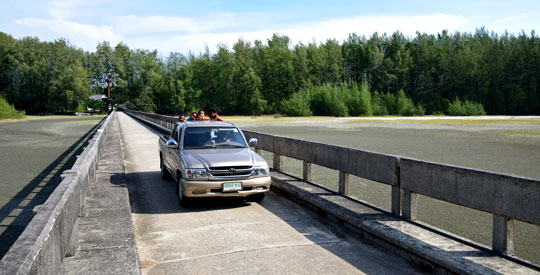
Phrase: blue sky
(182, 26)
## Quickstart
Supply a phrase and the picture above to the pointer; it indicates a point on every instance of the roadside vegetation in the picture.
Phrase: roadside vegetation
(465, 108)
(7, 111)
(348, 100)
(389, 74)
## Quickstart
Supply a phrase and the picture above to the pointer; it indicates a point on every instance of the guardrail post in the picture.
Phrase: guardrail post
(502, 239)
(278, 161)
(396, 191)
(396, 200)
(343, 183)
(409, 203)
(306, 171)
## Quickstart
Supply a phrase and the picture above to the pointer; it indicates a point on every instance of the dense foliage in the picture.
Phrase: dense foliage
(459, 73)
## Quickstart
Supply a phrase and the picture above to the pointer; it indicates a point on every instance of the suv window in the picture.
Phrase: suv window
(176, 130)
(176, 136)
(213, 137)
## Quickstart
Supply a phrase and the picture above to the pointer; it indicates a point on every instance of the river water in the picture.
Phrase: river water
(505, 146)
(33, 154)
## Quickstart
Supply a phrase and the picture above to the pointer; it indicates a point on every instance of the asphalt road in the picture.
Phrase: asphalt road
(33, 155)
(275, 236)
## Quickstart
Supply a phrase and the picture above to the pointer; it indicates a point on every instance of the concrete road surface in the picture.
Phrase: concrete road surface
(275, 236)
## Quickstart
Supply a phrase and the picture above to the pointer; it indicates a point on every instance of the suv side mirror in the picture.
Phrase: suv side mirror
(253, 142)
(171, 144)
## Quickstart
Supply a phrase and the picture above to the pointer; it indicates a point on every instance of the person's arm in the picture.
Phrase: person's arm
(218, 118)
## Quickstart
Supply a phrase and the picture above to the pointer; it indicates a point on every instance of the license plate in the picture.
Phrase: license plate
(232, 186)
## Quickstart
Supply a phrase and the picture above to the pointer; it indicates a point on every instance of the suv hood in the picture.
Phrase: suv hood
(222, 157)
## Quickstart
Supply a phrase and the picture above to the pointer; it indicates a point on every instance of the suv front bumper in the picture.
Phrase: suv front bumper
(250, 186)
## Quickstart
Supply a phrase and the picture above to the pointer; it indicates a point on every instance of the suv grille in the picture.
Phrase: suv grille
(227, 167)
(230, 171)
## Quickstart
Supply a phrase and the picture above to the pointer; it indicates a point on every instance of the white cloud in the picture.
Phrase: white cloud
(81, 35)
(133, 25)
(339, 28)
(182, 34)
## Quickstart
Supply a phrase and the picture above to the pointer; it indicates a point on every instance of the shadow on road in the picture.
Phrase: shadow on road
(149, 194)
(17, 212)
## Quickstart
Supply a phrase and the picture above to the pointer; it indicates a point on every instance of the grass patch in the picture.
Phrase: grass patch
(275, 118)
(446, 121)
(520, 132)
(384, 119)
(62, 116)
(32, 117)
(82, 122)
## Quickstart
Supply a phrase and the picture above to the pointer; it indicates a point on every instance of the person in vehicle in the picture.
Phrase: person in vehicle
(182, 118)
(201, 116)
(192, 116)
(214, 115)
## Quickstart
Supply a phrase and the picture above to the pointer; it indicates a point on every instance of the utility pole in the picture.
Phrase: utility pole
(108, 87)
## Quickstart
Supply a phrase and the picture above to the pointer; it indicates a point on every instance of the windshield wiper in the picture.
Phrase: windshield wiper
(230, 145)
(199, 147)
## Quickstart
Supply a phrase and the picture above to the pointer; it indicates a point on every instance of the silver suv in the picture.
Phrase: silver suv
(212, 159)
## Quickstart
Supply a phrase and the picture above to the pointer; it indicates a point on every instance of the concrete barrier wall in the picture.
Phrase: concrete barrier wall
(507, 197)
(510, 196)
(52, 234)
(365, 164)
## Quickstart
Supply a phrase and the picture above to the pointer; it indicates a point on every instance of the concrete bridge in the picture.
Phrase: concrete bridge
(112, 214)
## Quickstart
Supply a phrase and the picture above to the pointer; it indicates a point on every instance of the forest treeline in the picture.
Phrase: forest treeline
(382, 74)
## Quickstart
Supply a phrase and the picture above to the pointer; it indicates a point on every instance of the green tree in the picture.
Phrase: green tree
(298, 104)
(358, 101)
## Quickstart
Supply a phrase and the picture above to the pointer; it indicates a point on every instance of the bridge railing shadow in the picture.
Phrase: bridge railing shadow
(379, 228)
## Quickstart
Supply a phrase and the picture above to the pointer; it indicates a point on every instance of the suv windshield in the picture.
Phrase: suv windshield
(213, 137)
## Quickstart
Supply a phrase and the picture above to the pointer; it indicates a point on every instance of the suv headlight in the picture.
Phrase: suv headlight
(196, 174)
(261, 171)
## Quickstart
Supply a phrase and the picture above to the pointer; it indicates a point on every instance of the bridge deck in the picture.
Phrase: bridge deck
(223, 236)
(106, 241)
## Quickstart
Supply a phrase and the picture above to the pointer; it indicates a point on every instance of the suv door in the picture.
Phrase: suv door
(174, 154)
(167, 157)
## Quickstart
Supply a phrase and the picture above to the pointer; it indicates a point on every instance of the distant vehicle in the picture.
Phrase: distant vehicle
(212, 159)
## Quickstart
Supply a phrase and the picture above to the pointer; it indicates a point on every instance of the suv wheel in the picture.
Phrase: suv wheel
(182, 200)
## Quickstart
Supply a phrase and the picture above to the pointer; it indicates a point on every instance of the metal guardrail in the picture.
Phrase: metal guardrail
(165, 121)
(53, 233)
(506, 197)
